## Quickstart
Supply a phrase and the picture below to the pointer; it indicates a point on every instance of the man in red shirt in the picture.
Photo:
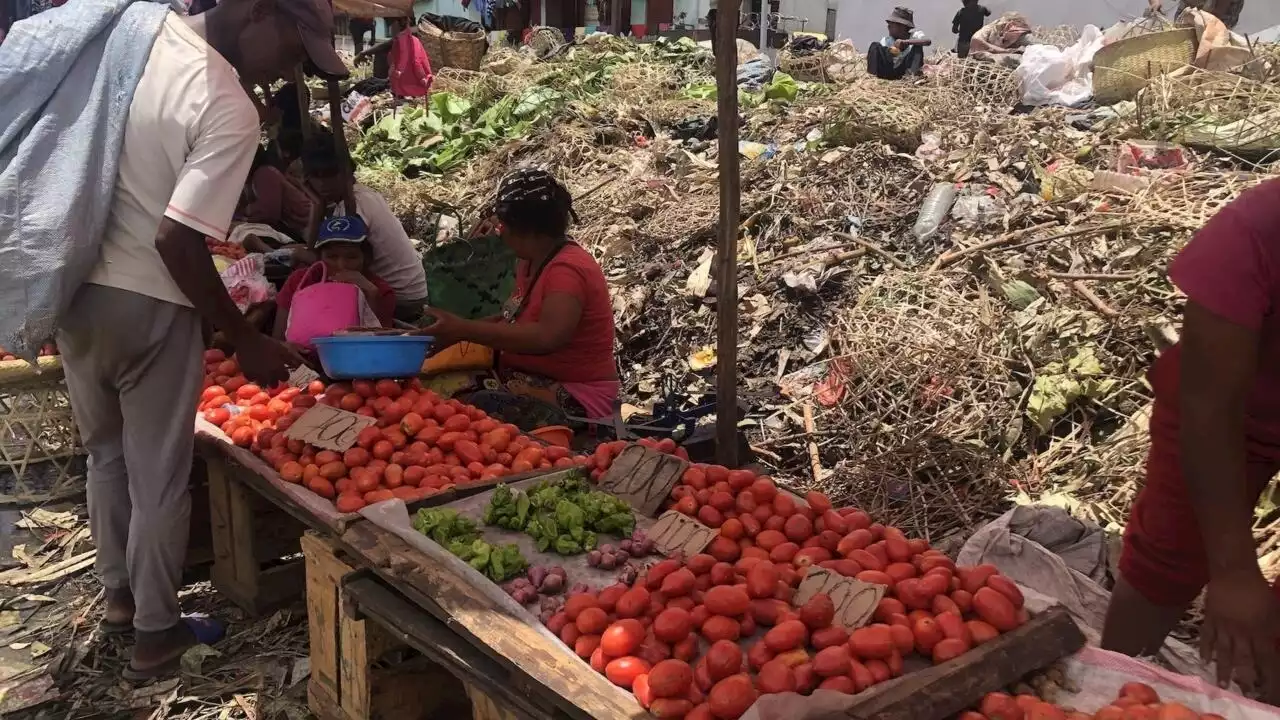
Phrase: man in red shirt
(557, 329)
(1215, 444)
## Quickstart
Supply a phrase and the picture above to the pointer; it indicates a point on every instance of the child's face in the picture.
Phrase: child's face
(342, 257)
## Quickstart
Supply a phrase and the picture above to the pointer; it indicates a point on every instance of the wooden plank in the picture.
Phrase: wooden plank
(386, 607)
(578, 691)
(323, 574)
(944, 690)
(232, 545)
(484, 708)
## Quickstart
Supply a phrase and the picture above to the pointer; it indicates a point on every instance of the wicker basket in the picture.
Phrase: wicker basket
(812, 67)
(1123, 68)
(456, 49)
(41, 456)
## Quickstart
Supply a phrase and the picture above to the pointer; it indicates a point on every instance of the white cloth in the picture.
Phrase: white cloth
(394, 258)
(188, 146)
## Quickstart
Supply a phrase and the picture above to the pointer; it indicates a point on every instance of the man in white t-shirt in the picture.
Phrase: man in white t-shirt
(131, 339)
(901, 52)
(395, 259)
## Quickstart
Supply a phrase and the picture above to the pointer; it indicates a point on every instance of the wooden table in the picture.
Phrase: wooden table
(371, 595)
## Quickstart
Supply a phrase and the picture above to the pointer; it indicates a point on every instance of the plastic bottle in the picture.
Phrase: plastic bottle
(934, 210)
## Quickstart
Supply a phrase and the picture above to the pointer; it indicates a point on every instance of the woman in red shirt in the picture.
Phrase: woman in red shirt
(554, 341)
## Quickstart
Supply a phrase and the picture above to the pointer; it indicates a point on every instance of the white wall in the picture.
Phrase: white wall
(863, 20)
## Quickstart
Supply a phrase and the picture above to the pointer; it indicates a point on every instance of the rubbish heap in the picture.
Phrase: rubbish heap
(964, 299)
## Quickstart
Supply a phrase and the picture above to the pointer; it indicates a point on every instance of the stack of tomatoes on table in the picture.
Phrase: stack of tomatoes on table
(1135, 701)
(421, 444)
(229, 250)
(704, 636)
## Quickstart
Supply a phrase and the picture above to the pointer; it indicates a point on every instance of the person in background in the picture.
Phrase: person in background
(394, 257)
(1002, 41)
(359, 27)
(968, 20)
(275, 199)
(554, 340)
(410, 69)
(1215, 445)
(343, 247)
(712, 16)
(131, 339)
(901, 53)
(1228, 11)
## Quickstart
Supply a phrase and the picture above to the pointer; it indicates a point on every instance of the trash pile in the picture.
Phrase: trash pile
(944, 303)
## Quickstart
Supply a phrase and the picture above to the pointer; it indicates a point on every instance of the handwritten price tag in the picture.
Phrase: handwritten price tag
(329, 428)
(676, 531)
(855, 600)
(643, 477)
(302, 376)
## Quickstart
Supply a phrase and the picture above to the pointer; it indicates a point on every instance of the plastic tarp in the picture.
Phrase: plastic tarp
(1049, 76)
(67, 76)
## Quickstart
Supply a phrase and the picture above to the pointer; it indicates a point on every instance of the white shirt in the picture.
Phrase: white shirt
(916, 34)
(188, 145)
(394, 258)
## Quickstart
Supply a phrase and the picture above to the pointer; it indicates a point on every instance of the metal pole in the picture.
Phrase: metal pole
(727, 269)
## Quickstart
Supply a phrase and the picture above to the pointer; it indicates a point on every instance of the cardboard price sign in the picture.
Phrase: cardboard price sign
(329, 428)
(643, 477)
(676, 531)
(301, 376)
(855, 600)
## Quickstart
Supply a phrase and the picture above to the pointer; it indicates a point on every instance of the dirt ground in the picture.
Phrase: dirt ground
(54, 663)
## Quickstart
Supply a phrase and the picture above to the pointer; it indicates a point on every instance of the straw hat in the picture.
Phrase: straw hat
(903, 16)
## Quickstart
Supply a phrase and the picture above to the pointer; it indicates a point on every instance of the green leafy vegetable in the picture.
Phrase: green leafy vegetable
(563, 514)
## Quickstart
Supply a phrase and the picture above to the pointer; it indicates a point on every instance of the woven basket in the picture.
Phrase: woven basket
(41, 456)
(455, 49)
(811, 67)
(1123, 68)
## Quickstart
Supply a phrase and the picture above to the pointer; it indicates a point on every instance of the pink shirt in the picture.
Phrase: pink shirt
(410, 68)
(1232, 268)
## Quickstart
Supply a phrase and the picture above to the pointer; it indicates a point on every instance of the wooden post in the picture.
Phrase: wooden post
(338, 127)
(304, 102)
(727, 270)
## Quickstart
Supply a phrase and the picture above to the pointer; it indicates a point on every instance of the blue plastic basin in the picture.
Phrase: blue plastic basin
(351, 357)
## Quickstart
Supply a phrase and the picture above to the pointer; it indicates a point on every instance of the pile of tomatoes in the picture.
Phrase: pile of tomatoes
(46, 350)
(223, 248)
(421, 444)
(675, 637)
(1135, 701)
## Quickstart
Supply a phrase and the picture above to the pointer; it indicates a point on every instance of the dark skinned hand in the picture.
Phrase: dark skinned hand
(265, 360)
(1242, 622)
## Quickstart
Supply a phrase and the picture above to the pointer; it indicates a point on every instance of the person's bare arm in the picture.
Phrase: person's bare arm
(1219, 365)
(556, 324)
(188, 260)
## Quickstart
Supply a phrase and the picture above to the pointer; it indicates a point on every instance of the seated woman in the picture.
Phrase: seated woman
(554, 340)
(345, 253)
(1003, 41)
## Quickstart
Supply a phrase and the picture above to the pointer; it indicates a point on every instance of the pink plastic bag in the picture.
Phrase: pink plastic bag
(321, 308)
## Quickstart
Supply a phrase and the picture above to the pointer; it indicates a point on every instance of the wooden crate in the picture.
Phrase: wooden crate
(359, 671)
(254, 543)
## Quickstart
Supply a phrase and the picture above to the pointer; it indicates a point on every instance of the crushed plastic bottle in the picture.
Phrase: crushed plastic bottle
(934, 210)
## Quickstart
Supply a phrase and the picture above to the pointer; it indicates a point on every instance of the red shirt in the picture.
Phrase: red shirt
(589, 354)
(1232, 268)
(384, 307)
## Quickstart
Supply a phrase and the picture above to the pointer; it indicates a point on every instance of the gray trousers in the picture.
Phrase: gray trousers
(133, 366)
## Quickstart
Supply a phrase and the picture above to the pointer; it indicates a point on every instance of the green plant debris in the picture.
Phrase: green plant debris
(1058, 385)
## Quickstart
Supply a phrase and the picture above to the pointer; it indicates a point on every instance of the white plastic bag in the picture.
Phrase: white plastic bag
(1049, 76)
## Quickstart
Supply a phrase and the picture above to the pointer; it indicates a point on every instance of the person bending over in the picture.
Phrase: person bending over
(1215, 444)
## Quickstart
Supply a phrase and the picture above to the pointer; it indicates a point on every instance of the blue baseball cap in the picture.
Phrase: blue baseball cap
(343, 229)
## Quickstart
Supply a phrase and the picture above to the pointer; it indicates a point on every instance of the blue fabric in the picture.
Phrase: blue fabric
(67, 77)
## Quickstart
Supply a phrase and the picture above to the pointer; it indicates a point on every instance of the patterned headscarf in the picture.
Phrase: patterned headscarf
(529, 188)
